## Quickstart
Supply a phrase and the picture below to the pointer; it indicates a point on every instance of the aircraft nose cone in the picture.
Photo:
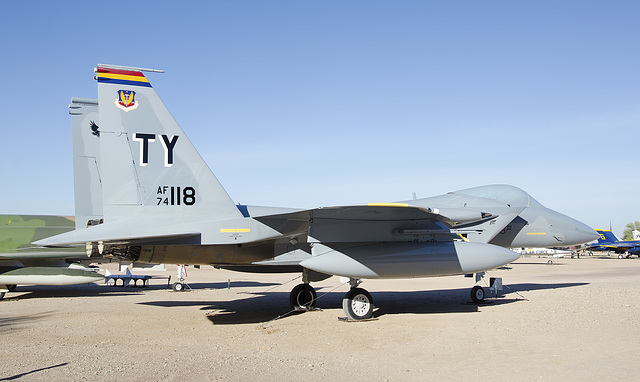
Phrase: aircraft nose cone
(581, 233)
(584, 233)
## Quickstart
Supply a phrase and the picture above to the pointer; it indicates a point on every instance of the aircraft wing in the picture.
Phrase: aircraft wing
(387, 222)
(617, 246)
(402, 211)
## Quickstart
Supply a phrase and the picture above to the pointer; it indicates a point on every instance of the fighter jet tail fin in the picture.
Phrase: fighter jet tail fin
(86, 161)
(148, 164)
(606, 236)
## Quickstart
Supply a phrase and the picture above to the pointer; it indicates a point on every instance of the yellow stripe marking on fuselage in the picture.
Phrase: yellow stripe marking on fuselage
(234, 230)
(536, 233)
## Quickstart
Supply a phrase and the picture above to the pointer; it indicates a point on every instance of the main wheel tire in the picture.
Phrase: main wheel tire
(477, 293)
(303, 296)
(178, 287)
(111, 282)
(357, 304)
(119, 282)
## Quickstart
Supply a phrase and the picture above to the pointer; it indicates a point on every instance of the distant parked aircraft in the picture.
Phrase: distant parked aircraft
(607, 241)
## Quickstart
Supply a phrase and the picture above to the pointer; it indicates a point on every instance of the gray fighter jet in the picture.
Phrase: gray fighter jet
(162, 204)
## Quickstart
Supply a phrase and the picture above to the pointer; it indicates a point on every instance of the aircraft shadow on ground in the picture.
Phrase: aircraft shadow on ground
(11, 323)
(453, 300)
(526, 287)
(261, 308)
(38, 291)
(247, 308)
(25, 292)
(233, 284)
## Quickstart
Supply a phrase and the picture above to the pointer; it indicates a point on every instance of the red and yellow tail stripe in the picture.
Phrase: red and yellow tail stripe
(122, 77)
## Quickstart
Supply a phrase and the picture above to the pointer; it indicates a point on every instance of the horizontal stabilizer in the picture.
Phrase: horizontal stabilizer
(113, 235)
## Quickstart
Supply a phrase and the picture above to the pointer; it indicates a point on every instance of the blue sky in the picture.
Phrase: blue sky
(305, 104)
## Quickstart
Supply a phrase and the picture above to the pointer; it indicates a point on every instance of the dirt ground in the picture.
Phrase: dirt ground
(574, 320)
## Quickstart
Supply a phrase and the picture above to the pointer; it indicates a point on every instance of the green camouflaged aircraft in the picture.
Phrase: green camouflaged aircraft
(22, 263)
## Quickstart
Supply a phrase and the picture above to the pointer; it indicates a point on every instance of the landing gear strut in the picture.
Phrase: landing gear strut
(179, 286)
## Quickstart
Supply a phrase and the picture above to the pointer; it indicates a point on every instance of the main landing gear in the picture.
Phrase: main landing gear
(357, 303)
(303, 297)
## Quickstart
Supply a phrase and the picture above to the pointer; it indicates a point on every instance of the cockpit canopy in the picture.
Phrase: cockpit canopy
(502, 193)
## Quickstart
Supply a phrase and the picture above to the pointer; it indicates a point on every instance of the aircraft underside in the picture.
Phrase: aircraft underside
(318, 261)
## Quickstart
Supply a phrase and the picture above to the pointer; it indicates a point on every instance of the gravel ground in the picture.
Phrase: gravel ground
(574, 320)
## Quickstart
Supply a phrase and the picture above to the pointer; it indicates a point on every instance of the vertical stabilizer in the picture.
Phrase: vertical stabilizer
(606, 237)
(148, 165)
(86, 160)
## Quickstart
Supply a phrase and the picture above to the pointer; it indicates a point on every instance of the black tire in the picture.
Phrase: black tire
(477, 293)
(357, 304)
(178, 287)
(111, 282)
(303, 296)
(119, 282)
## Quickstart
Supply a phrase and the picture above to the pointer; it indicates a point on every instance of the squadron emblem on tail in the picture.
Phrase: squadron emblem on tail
(126, 100)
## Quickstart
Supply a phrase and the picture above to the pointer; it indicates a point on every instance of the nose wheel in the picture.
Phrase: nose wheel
(477, 294)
